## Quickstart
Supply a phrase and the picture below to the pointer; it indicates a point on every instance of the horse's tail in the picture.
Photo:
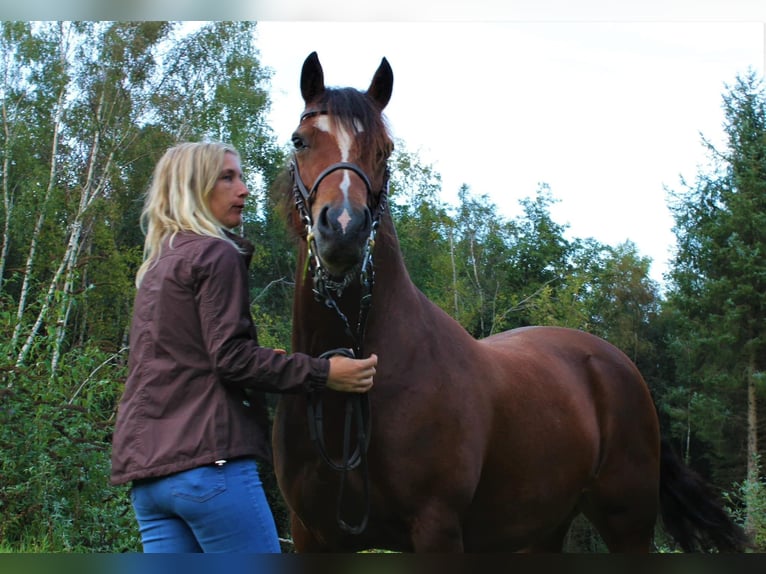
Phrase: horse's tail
(691, 512)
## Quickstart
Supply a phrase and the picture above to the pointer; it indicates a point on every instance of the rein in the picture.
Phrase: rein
(326, 290)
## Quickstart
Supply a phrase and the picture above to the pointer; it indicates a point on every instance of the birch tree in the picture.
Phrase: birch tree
(13, 96)
(88, 108)
(100, 90)
(44, 55)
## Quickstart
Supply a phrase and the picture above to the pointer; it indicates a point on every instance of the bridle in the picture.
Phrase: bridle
(324, 283)
(327, 290)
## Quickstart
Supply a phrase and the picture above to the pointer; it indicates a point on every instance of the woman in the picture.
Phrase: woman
(192, 419)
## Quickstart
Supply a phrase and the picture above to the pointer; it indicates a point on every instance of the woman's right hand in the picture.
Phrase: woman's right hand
(351, 375)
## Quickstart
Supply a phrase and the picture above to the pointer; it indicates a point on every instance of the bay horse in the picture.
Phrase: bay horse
(462, 445)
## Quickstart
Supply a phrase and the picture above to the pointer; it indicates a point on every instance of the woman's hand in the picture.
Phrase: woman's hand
(351, 375)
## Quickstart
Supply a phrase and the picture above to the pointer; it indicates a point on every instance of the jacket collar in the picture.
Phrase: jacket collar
(245, 246)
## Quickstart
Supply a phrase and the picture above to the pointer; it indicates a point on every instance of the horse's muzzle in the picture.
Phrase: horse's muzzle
(341, 234)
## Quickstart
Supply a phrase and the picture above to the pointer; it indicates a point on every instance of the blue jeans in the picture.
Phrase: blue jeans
(206, 509)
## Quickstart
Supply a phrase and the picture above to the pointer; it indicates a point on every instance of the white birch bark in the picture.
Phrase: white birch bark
(8, 123)
(25, 286)
(91, 190)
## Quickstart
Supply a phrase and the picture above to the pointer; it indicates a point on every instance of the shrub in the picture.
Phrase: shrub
(55, 445)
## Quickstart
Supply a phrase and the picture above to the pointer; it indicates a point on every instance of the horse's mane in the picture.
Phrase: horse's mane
(281, 197)
(356, 113)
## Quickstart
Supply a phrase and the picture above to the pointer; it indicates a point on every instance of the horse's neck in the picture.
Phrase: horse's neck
(393, 284)
(400, 312)
(318, 328)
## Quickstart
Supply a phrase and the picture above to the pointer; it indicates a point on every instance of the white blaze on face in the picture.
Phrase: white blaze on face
(344, 141)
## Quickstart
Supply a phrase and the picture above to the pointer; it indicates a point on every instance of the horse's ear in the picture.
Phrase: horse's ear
(382, 84)
(312, 78)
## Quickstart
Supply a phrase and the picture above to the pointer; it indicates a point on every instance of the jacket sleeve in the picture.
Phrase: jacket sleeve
(229, 334)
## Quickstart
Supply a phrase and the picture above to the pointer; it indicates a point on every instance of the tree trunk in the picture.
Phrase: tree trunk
(25, 287)
(454, 272)
(90, 192)
(477, 282)
(7, 193)
(752, 446)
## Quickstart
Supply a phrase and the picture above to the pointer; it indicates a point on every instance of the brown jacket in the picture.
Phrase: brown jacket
(194, 362)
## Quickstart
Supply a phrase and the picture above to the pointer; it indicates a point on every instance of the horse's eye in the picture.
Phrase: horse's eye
(298, 142)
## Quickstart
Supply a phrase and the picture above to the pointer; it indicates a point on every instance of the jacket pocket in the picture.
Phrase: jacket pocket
(199, 484)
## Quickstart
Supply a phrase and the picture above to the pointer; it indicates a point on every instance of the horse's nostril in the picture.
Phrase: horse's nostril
(323, 219)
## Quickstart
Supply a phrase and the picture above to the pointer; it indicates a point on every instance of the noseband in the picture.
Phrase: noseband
(326, 289)
(307, 196)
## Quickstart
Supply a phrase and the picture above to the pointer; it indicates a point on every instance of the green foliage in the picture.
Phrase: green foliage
(54, 458)
(272, 269)
(716, 304)
(494, 274)
(423, 226)
(747, 503)
(583, 538)
(482, 260)
(215, 87)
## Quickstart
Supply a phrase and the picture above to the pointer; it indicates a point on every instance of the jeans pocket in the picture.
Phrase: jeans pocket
(199, 484)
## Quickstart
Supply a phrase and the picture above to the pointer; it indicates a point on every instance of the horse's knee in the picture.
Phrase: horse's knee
(437, 530)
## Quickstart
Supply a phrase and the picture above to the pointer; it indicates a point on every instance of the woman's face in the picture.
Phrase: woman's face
(227, 200)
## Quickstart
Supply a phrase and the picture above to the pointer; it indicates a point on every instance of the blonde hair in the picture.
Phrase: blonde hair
(177, 198)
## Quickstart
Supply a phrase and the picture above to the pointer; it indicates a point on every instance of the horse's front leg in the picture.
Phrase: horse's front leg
(437, 528)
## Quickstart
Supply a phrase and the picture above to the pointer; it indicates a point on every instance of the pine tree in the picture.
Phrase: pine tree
(718, 279)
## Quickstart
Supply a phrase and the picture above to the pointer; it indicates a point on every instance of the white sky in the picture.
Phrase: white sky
(606, 113)
(604, 101)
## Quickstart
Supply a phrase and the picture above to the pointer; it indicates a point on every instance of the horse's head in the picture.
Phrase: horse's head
(339, 166)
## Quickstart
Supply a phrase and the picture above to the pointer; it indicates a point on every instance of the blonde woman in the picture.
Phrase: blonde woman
(192, 423)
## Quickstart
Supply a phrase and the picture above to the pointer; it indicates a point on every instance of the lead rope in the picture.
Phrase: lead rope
(357, 406)
(357, 410)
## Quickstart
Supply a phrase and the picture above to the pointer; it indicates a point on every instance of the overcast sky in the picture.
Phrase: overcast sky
(604, 101)
(607, 114)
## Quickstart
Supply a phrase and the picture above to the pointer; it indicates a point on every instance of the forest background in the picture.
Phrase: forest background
(89, 107)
